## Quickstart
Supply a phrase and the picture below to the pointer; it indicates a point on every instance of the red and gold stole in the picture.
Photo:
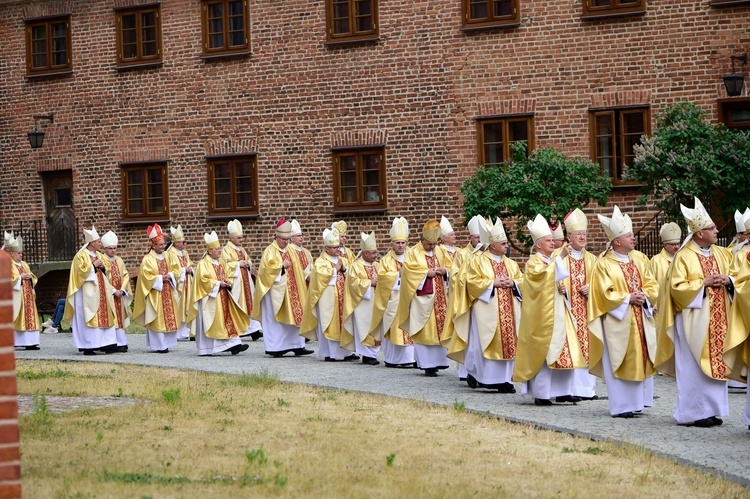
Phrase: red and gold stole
(167, 302)
(224, 293)
(440, 306)
(506, 325)
(718, 322)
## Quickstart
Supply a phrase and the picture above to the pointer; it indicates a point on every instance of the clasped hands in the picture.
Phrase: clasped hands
(638, 298)
(437, 271)
(716, 281)
(504, 282)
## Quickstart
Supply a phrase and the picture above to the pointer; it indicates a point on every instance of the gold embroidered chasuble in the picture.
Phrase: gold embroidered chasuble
(422, 314)
(244, 289)
(98, 303)
(386, 301)
(119, 279)
(498, 319)
(330, 300)
(223, 318)
(713, 345)
(631, 342)
(288, 294)
(546, 333)
(358, 311)
(157, 310)
(458, 301)
(25, 315)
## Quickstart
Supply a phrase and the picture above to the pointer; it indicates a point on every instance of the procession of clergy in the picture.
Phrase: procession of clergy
(568, 318)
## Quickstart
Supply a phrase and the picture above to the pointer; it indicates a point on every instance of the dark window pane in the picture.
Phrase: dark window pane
(223, 202)
(740, 114)
(128, 22)
(493, 143)
(518, 130)
(341, 17)
(349, 195)
(349, 179)
(601, 3)
(244, 169)
(135, 207)
(503, 8)
(478, 9)
(634, 123)
(244, 200)
(222, 186)
(235, 8)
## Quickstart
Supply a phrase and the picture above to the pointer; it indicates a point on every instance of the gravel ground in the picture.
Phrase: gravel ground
(727, 455)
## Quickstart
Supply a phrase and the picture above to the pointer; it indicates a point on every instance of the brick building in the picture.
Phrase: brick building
(194, 112)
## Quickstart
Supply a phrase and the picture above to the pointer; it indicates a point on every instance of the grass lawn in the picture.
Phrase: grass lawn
(201, 435)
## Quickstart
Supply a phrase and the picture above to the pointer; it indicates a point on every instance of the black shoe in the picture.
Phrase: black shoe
(238, 348)
(302, 351)
(192, 338)
(471, 381)
(256, 335)
(703, 423)
(462, 379)
(33, 347)
(595, 397)
(370, 361)
(89, 352)
(394, 366)
(352, 357)
(166, 350)
(431, 372)
(331, 359)
(624, 415)
(544, 402)
(717, 421)
(278, 354)
(567, 398)
(506, 388)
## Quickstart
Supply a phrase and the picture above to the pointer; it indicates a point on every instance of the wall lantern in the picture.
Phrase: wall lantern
(36, 138)
(734, 82)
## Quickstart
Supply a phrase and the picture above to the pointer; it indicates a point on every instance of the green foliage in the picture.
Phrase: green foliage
(39, 407)
(687, 156)
(33, 375)
(261, 379)
(172, 396)
(257, 456)
(389, 459)
(459, 406)
(545, 182)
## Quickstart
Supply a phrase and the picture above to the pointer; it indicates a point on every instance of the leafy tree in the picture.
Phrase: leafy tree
(545, 182)
(687, 156)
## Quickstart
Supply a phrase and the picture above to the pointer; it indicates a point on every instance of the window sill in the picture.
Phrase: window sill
(626, 185)
(141, 65)
(226, 55)
(232, 216)
(731, 3)
(358, 211)
(489, 27)
(351, 41)
(163, 221)
(612, 15)
(50, 74)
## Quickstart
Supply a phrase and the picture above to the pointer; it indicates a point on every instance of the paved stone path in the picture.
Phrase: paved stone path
(723, 450)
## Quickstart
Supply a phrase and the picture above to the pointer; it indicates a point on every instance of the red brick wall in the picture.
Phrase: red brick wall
(421, 86)
(10, 458)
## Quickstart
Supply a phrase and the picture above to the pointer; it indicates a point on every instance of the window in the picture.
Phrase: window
(233, 185)
(145, 193)
(225, 27)
(614, 132)
(609, 8)
(138, 36)
(351, 20)
(735, 113)
(359, 179)
(490, 13)
(48, 49)
(496, 134)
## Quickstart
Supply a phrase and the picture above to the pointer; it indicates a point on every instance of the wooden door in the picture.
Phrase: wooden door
(61, 221)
